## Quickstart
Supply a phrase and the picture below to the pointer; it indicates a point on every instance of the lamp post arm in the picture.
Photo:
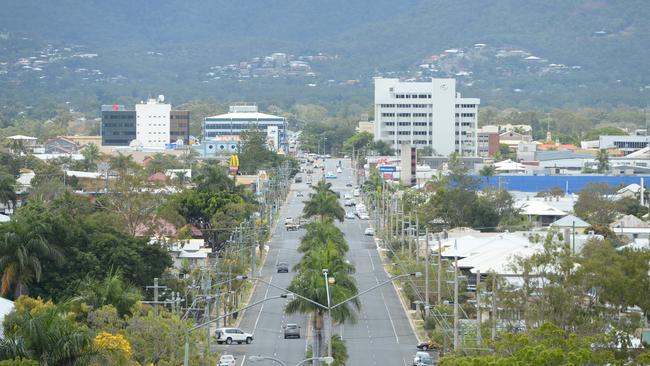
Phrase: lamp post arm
(290, 292)
(270, 359)
(311, 359)
(370, 289)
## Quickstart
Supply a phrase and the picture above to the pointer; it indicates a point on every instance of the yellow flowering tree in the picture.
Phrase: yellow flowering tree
(113, 349)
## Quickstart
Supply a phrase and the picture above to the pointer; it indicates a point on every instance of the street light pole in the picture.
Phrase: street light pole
(329, 312)
(327, 360)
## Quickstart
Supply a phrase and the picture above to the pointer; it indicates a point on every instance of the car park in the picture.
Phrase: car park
(369, 232)
(227, 360)
(282, 267)
(291, 331)
(233, 335)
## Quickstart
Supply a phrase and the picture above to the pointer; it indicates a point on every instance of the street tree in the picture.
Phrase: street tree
(603, 161)
(91, 156)
(23, 247)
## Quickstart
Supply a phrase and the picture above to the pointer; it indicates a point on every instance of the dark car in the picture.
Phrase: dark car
(282, 267)
(291, 331)
(425, 346)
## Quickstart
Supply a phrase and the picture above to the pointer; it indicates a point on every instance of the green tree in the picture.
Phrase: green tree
(357, 142)
(486, 172)
(254, 153)
(594, 205)
(91, 156)
(112, 290)
(8, 195)
(603, 161)
(22, 249)
(382, 148)
(324, 204)
(42, 331)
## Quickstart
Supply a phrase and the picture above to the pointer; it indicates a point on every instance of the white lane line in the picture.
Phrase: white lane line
(372, 264)
(392, 324)
(262, 308)
(243, 361)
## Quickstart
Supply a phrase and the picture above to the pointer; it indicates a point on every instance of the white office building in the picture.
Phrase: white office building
(426, 114)
(153, 123)
(628, 144)
(246, 117)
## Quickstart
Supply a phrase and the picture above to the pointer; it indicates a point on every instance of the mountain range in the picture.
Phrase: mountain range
(188, 48)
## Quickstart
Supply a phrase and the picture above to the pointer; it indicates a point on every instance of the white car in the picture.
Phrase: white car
(347, 196)
(227, 360)
(369, 231)
(230, 335)
(364, 216)
(348, 202)
(349, 215)
(357, 193)
(339, 170)
(288, 220)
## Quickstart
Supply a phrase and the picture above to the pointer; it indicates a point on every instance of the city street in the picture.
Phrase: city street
(382, 334)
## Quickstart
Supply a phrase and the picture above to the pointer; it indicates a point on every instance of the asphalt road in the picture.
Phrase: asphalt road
(381, 335)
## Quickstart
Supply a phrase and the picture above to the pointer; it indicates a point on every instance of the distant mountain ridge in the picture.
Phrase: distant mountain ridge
(608, 39)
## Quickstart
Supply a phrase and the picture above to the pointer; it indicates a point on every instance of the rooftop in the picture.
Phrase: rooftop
(570, 221)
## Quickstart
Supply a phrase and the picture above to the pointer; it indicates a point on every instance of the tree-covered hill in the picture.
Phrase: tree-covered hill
(174, 46)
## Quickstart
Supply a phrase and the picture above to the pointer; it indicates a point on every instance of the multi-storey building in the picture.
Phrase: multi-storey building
(245, 117)
(488, 143)
(152, 124)
(425, 114)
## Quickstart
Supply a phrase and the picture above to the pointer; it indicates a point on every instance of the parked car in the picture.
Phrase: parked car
(347, 196)
(369, 231)
(282, 267)
(227, 360)
(330, 175)
(356, 193)
(422, 359)
(364, 216)
(425, 346)
(348, 203)
(348, 184)
(339, 170)
(291, 331)
(349, 215)
(298, 179)
(300, 194)
(230, 335)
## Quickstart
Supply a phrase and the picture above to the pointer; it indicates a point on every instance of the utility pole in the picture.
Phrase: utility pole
(456, 313)
(439, 271)
(426, 275)
(479, 317)
(494, 306)
(417, 242)
(156, 294)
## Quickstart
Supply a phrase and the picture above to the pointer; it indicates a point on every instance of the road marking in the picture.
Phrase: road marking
(372, 264)
(262, 308)
(392, 324)
(403, 360)
(243, 361)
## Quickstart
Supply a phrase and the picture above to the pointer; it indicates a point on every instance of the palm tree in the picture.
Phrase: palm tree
(45, 334)
(112, 290)
(310, 283)
(486, 172)
(339, 351)
(8, 195)
(603, 161)
(320, 234)
(22, 248)
(325, 205)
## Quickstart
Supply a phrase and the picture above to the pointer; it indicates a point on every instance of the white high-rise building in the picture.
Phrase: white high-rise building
(426, 114)
(153, 123)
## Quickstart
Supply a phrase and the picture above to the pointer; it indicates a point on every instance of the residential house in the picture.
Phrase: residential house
(61, 145)
(512, 139)
(631, 227)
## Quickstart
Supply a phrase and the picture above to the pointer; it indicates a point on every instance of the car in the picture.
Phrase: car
(291, 331)
(348, 203)
(288, 220)
(298, 179)
(356, 193)
(300, 194)
(349, 215)
(422, 359)
(348, 184)
(227, 360)
(369, 231)
(282, 267)
(364, 216)
(330, 175)
(339, 170)
(347, 196)
(230, 335)
(425, 346)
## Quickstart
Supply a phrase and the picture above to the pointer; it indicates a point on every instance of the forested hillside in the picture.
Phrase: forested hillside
(580, 52)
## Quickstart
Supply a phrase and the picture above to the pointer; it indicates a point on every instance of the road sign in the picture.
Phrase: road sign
(388, 169)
